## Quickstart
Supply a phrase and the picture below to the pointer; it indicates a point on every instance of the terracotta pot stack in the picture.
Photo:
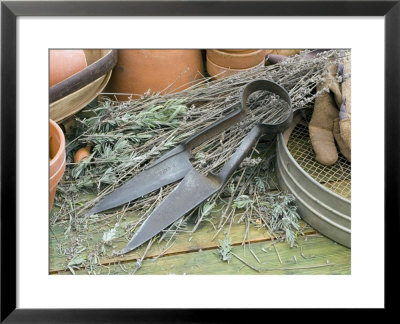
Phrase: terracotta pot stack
(222, 63)
(164, 71)
(57, 159)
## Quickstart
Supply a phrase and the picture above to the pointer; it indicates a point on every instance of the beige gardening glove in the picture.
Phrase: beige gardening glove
(325, 127)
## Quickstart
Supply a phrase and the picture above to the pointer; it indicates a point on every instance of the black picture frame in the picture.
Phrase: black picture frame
(10, 10)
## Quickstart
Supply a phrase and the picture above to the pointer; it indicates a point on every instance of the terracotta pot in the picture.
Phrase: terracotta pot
(219, 72)
(236, 60)
(82, 154)
(64, 63)
(57, 159)
(163, 71)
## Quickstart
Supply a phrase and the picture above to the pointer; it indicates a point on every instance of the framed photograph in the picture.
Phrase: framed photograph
(58, 267)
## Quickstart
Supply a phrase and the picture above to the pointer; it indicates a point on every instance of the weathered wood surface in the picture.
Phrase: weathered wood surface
(202, 238)
(189, 253)
(314, 255)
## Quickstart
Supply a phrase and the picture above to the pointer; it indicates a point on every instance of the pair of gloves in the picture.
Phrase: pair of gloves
(331, 119)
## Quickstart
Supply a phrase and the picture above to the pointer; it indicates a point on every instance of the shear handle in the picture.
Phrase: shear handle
(226, 122)
(233, 163)
(215, 128)
(258, 130)
(237, 115)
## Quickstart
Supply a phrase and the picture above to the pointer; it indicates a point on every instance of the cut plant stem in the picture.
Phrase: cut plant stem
(249, 265)
(277, 253)
(298, 268)
(254, 255)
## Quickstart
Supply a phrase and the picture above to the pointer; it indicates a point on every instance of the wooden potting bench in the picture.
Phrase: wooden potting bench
(254, 251)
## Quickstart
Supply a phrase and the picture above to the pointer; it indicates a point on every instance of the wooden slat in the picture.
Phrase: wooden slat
(201, 239)
(185, 244)
(315, 255)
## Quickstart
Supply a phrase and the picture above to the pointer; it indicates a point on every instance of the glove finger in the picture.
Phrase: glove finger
(344, 149)
(345, 108)
(321, 129)
(333, 84)
(324, 146)
(345, 124)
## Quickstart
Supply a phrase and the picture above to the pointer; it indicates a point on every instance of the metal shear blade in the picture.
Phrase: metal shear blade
(173, 165)
(195, 187)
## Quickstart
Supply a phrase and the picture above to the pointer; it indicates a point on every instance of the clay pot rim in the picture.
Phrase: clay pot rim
(61, 149)
(55, 178)
(236, 61)
(81, 98)
(84, 77)
(58, 161)
(230, 69)
(241, 55)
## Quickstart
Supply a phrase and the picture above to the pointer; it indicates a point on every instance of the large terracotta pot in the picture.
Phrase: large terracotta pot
(236, 60)
(163, 71)
(57, 159)
(219, 72)
(64, 63)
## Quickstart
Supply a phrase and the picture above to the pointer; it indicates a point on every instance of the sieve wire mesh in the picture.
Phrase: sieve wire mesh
(336, 177)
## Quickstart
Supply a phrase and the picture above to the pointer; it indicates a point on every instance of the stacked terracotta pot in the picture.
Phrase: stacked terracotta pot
(222, 63)
(157, 71)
